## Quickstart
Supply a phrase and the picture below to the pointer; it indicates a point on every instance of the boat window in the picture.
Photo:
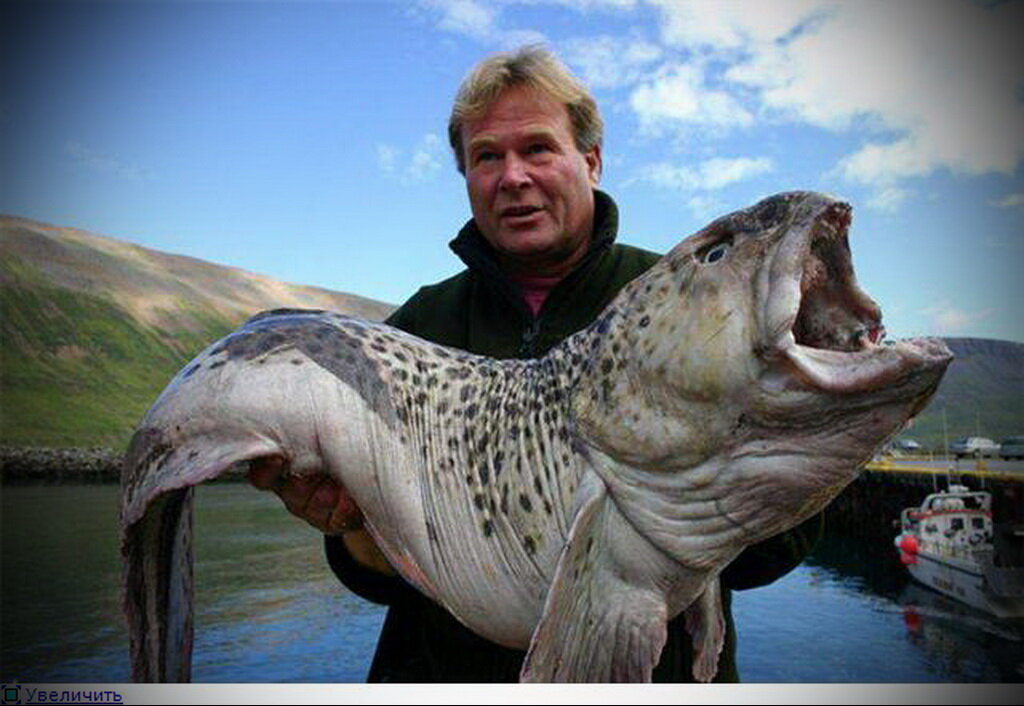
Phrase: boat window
(957, 523)
(978, 522)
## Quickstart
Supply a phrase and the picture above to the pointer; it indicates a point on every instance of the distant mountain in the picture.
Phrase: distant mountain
(92, 328)
(982, 394)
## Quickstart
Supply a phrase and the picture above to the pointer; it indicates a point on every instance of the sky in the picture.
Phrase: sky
(307, 140)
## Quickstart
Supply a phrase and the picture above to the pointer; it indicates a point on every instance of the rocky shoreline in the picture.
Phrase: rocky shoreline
(98, 464)
(32, 463)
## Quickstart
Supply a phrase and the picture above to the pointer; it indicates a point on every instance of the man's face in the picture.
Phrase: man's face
(529, 186)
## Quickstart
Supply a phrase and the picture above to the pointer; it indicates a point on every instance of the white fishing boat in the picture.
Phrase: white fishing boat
(947, 545)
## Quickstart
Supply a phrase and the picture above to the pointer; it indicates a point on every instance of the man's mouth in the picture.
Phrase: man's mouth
(515, 212)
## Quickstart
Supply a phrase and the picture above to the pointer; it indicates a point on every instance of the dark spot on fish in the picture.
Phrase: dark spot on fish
(488, 528)
(645, 321)
(479, 501)
(524, 502)
(216, 364)
(529, 545)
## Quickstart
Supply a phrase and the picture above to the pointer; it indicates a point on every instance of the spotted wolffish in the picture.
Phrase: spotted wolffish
(569, 505)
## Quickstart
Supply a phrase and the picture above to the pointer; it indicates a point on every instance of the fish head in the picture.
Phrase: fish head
(751, 347)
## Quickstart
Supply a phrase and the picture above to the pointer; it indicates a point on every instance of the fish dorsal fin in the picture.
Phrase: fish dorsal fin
(603, 621)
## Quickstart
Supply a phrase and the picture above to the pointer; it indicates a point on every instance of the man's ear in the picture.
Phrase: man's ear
(594, 164)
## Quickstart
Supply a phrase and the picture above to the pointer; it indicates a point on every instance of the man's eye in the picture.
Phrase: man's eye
(539, 148)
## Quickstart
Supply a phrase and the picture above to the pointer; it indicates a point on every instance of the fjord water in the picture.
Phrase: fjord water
(269, 610)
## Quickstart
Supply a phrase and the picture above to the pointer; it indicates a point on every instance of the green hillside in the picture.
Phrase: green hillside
(982, 394)
(92, 329)
(77, 370)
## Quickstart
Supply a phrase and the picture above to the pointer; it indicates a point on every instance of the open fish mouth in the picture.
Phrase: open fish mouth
(821, 322)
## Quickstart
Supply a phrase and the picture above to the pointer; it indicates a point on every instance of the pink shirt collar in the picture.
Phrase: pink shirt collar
(535, 290)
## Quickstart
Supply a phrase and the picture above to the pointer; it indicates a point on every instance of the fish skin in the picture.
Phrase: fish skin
(592, 494)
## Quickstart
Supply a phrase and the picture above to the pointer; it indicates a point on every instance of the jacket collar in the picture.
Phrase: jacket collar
(478, 255)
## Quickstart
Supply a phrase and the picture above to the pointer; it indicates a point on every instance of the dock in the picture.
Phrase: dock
(870, 505)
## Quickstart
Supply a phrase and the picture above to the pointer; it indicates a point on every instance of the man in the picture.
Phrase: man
(541, 264)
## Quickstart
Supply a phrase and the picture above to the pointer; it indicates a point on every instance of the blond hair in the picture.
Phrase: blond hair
(533, 66)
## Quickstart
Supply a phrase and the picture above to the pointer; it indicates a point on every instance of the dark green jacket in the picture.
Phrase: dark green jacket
(480, 310)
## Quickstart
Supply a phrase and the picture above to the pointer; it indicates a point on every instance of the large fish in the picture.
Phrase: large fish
(569, 505)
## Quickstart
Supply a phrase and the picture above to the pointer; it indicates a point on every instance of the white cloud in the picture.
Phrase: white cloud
(888, 198)
(468, 17)
(730, 24)
(927, 85)
(387, 155)
(1010, 201)
(480, 21)
(710, 175)
(610, 62)
(947, 319)
(940, 79)
(678, 95)
(424, 161)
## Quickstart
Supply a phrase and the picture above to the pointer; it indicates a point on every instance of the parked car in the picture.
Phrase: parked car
(977, 446)
(1013, 447)
(911, 446)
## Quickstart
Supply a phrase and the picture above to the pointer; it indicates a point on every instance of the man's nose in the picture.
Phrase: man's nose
(514, 173)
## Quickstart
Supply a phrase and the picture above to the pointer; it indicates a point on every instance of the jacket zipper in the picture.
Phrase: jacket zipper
(528, 343)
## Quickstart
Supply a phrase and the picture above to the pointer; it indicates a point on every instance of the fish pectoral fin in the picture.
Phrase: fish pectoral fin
(706, 626)
(597, 625)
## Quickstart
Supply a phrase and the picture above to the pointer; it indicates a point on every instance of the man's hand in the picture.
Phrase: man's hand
(322, 503)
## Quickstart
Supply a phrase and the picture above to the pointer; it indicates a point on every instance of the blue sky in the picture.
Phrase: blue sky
(306, 140)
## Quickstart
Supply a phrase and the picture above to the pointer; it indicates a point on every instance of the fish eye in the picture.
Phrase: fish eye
(715, 253)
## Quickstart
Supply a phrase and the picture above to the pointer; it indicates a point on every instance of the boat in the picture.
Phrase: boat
(947, 545)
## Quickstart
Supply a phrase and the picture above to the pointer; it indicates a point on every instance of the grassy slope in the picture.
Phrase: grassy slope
(982, 393)
(77, 370)
(91, 329)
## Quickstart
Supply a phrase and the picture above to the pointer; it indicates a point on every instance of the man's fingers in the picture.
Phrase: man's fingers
(265, 473)
(316, 499)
